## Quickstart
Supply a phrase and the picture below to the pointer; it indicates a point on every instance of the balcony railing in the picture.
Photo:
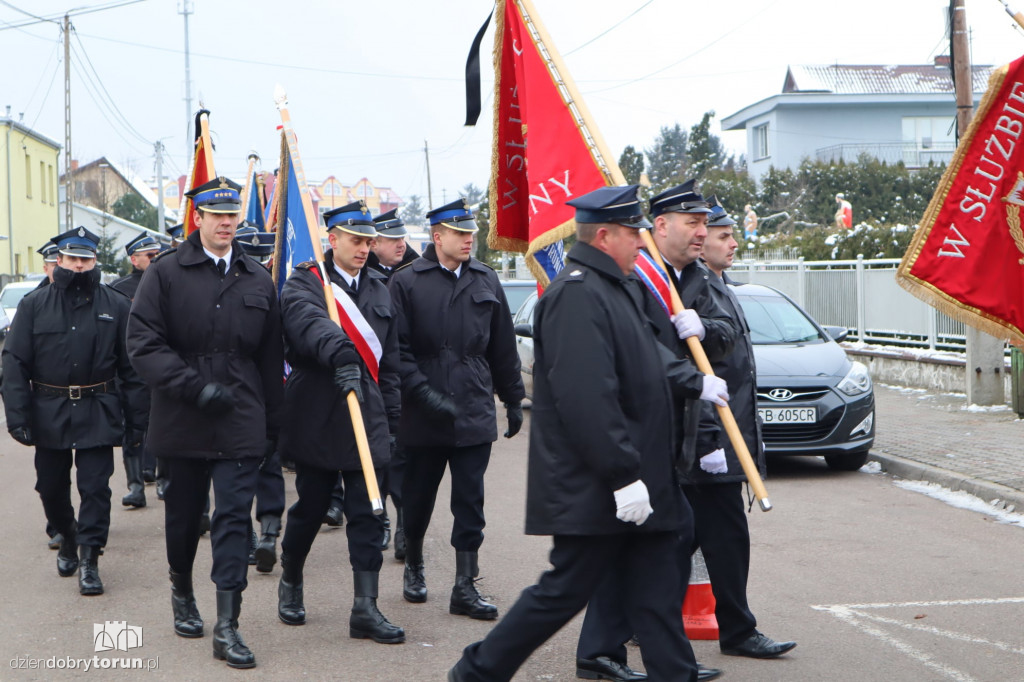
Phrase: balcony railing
(912, 155)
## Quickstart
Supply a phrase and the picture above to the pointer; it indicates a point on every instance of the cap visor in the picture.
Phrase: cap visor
(357, 230)
(221, 208)
(461, 225)
(78, 251)
(392, 232)
(639, 223)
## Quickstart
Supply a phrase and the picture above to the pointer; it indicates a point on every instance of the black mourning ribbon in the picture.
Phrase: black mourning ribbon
(473, 75)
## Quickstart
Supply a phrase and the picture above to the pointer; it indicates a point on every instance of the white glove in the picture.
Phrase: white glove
(633, 503)
(715, 390)
(714, 462)
(687, 323)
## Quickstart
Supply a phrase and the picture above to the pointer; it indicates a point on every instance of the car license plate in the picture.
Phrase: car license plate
(788, 415)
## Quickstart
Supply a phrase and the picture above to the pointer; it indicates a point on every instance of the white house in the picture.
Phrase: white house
(834, 112)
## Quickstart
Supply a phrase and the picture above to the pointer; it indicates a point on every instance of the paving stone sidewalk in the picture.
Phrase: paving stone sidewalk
(937, 437)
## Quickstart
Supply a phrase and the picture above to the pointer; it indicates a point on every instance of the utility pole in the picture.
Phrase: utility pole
(69, 184)
(186, 9)
(985, 363)
(158, 147)
(430, 193)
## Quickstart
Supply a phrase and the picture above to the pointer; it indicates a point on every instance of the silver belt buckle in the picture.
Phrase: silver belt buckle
(75, 392)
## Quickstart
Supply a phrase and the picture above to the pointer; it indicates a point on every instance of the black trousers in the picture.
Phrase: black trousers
(187, 493)
(270, 488)
(396, 476)
(424, 469)
(721, 532)
(652, 595)
(365, 531)
(606, 627)
(93, 469)
(141, 451)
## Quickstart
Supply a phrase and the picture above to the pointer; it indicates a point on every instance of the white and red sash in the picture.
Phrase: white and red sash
(356, 328)
(655, 279)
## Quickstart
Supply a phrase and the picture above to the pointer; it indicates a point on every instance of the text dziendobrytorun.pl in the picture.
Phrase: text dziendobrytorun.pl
(85, 664)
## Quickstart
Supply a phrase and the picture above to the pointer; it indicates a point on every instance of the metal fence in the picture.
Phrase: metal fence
(861, 295)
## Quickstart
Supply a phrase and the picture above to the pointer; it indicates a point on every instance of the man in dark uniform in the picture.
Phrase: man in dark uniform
(714, 485)
(390, 252)
(205, 335)
(49, 252)
(608, 495)
(457, 350)
(680, 217)
(318, 433)
(270, 480)
(139, 464)
(70, 391)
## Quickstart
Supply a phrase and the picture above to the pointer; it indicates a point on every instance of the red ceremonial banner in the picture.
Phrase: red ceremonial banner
(202, 169)
(967, 256)
(540, 157)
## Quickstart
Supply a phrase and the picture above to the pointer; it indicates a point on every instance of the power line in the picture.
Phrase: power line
(71, 13)
(26, 13)
(102, 88)
(611, 28)
(88, 85)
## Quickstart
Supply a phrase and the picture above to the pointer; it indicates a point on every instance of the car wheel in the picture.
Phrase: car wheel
(849, 462)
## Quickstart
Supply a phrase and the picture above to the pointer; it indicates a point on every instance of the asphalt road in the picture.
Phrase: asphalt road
(873, 581)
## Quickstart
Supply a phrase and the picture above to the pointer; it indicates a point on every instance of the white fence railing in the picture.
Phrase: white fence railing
(861, 295)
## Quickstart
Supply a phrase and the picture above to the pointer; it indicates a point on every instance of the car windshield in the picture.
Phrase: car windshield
(773, 319)
(518, 293)
(10, 296)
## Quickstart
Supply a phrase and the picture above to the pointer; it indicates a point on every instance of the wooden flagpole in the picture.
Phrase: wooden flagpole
(358, 428)
(575, 101)
(249, 181)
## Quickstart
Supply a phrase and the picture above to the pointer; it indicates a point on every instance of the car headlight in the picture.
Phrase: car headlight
(856, 381)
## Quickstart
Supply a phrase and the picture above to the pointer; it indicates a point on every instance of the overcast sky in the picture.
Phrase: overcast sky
(369, 82)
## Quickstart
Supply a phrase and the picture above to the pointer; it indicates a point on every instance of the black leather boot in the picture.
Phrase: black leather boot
(136, 496)
(466, 601)
(414, 587)
(148, 475)
(228, 644)
(290, 608)
(204, 523)
(266, 548)
(187, 622)
(366, 621)
(387, 532)
(253, 541)
(161, 486)
(67, 555)
(89, 582)
(399, 534)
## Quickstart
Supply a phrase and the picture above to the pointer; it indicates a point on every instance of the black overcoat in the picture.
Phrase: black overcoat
(72, 333)
(456, 335)
(187, 328)
(602, 405)
(317, 427)
(739, 371)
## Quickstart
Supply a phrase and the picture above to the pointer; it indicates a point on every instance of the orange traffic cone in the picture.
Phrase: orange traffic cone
(699, 605)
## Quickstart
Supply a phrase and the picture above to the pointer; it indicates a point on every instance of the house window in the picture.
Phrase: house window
(53, 194)
(761, 150)
(171, 191)
(42, 181)
(925, 132)
(332, 189)
(28, 175)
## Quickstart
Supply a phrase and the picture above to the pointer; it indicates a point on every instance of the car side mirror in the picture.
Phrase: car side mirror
(524, 329)
(838, 334)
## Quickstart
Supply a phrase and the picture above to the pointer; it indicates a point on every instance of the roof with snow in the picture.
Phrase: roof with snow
(845, 79)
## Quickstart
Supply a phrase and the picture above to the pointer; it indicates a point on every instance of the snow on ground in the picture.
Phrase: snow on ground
(904, 389)
(962, 500)
(872, 468)
(986, 408)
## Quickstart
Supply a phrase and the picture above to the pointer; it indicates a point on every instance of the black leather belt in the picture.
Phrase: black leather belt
(74, 392)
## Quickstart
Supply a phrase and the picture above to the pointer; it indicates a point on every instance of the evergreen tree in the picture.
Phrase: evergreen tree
(413, 213)
(704, 150)
(631, 163)
(667, 159)
(111, 259)
(135, 209)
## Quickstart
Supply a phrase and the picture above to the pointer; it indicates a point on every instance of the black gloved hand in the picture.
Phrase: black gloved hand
(392, 447)
(215, 399)
(514, 411)
(23, 435)
(435, 401)
(134, 438)
(347, 379)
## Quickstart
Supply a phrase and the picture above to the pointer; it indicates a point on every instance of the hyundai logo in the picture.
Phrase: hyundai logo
(780, 394)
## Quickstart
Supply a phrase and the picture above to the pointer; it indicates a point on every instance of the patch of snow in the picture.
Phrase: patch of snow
(872, 468)
(904, 389)
(963, 500)
(986, 408)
